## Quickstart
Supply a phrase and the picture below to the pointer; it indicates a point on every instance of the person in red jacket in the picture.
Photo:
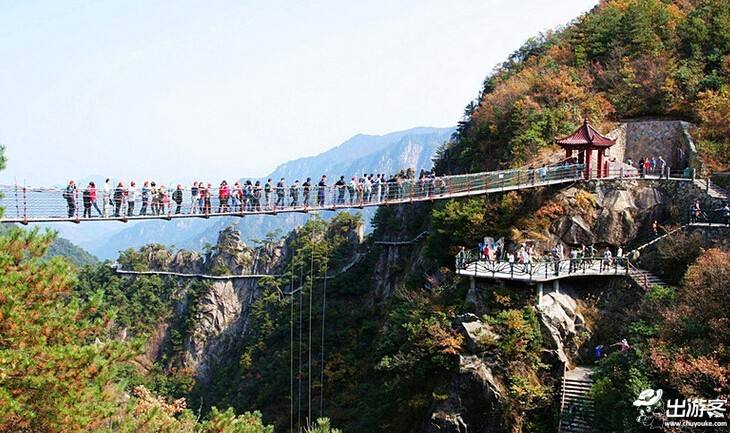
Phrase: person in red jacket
(92, 195)
(224, 194)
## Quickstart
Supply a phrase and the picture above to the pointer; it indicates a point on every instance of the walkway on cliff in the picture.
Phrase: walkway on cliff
(40, 204)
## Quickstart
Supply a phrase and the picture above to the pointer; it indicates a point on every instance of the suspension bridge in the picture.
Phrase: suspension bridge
(25, 204)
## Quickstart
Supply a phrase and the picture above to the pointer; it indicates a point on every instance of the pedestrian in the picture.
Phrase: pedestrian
(352, 189)
(177, 197)
(662, 166)
(511, 261)
(247, 194)
(623, 344)
(556, 260)
(641, 167)
(131, 198)
(236, 197)
(162, 199)
(92, 196)
(201, 196)
(647, 166)
(107, 196)
(695, 212)
(118, 198)
(655, 228)
(280, 193)
(619, 255)
(86, 198)
(652, 164)
(340, 188)
(607, 258)
(306, 191)
(294, 193)
(145, 197)
(207, 198)
(267, 193)
(194, 196)
(223, 196)
(361, 190)
(321, 191)
(154, 198)
(257, 190)
(527, 260)
(598, 353)
(367, 188)
(573, 260)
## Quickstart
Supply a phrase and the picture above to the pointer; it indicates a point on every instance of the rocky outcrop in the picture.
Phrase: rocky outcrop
(564, 326)
(218, 309)
(473, 401)
(607, 213)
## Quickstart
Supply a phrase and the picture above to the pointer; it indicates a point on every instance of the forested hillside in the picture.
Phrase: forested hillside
(625, 59)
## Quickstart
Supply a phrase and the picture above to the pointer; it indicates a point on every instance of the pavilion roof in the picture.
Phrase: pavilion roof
(586, 135)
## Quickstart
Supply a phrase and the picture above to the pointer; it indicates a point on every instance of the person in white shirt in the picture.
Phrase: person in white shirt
(107, 196)
(606, 262)
(511, 261)
(368, 186)
(131, 198)
(352, 189)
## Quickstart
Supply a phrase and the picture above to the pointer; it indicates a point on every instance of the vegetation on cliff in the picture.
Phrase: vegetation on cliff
(627, 58)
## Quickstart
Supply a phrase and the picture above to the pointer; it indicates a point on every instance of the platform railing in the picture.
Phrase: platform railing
(472, 262)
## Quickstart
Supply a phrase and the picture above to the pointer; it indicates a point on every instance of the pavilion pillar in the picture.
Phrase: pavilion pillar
(588, 163)
(601, 155)
(581, 156)
(568, 153)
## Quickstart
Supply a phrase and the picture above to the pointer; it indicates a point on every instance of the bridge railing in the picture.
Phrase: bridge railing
(470, 261)
(23, 204)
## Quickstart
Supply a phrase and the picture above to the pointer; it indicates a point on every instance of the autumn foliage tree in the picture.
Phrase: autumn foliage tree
(693, 345)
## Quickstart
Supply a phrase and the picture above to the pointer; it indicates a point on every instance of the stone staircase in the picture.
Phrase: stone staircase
(577, 406)
(712, 190)
(644, 278)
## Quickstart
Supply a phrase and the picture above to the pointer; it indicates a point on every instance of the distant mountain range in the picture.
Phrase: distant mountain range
(360, 154)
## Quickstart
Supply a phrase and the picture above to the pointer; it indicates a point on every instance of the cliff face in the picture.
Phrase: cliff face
(216, 315)
(606, 213)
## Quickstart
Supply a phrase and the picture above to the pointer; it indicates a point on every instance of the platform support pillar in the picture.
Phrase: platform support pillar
(539, 294)
(556, 286)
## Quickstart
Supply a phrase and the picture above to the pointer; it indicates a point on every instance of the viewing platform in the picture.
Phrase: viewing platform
(543, 271)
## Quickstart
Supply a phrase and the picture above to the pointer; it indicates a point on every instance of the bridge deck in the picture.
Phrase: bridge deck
(47, 205)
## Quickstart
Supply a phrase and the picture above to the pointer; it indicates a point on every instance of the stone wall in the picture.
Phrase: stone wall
(671, 139)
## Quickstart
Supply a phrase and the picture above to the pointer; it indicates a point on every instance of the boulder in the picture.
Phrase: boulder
(573, 230)
(476, 333)
(473, 401)
(563, 324)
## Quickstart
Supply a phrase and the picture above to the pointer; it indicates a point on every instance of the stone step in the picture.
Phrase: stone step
(578, 393)
(582, 386)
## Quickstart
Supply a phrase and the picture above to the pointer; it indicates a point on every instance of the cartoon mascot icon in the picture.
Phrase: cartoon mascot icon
(650, 406)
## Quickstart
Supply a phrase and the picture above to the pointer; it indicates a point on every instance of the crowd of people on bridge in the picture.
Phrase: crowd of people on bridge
(579, 258)
(125, 200)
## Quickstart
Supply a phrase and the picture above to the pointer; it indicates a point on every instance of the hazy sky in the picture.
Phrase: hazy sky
(223, 89)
